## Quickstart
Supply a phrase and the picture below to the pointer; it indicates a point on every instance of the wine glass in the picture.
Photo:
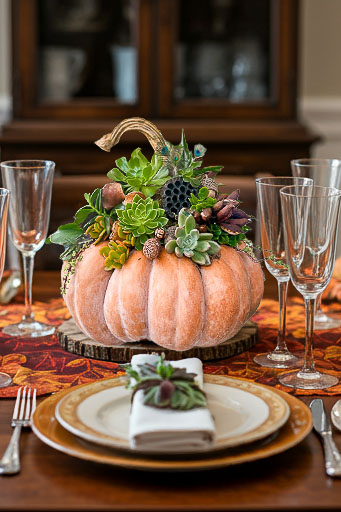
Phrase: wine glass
(310, 220)
(5, 379)
(274, 256)
(325, 172)
(30, 184)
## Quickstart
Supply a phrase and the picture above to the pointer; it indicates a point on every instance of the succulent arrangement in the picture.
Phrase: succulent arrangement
(190, 243)
(165, 386)
(170, 202)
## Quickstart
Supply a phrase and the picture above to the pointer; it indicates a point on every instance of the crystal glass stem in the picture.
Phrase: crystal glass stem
(309, 366)
(281, 347)
(28, 260)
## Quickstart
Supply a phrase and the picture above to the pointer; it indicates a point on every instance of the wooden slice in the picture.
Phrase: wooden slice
(75, 341)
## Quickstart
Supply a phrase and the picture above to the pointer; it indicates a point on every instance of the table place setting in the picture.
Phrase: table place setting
(241, 422)
(159, 255)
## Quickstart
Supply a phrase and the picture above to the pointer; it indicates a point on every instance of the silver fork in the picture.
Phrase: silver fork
(24, 407)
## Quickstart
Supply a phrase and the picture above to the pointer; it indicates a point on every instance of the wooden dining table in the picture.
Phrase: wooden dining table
(49, 480)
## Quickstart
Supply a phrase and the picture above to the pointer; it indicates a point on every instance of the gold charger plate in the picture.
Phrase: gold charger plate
(47, 428)
(245, 412)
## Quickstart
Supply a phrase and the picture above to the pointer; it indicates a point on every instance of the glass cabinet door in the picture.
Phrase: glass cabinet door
(87, 57)
(87, 49)
(223, 50)
(227, 57)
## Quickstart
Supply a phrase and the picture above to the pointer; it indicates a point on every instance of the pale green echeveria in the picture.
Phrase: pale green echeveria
(190, 243)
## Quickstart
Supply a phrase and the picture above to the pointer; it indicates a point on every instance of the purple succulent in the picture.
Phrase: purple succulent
(229, 217)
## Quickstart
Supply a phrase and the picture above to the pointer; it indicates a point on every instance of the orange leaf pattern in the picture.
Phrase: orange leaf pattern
(44, 364)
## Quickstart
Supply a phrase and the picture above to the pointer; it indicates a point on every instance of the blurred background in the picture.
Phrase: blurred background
(258, 82)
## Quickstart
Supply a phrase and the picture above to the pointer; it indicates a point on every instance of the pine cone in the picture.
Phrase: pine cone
(209, 183)
(170, 234)
(152, 248)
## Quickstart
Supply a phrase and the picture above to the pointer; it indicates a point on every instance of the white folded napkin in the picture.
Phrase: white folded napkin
(169, 430)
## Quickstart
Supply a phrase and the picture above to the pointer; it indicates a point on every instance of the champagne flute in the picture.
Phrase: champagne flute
(310, 219)
(275, 260)
(5, 379)
(325, 172)
(30, 184)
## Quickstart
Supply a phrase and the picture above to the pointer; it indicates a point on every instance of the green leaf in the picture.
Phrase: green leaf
(116, 175)
(170, 246)
(203, 193)
(122, 163)
(82, 214)
(66, 234)
(202, 246)
(213, 168)
(137, 153)
(189, 224)
(134, 163)
(94, 196)
(148, 172)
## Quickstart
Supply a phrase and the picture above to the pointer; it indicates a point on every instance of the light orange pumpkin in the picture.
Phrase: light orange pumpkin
(169, 300)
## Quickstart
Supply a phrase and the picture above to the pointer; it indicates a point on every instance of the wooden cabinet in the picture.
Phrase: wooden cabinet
(224, 70)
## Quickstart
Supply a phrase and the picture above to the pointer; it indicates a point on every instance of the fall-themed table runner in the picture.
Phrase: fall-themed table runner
(44, 364)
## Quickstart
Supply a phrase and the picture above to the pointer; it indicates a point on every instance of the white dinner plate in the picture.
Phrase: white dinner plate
(243, 412)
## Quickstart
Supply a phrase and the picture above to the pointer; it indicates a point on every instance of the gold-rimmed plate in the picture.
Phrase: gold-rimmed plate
(48, 429)
(243, 411)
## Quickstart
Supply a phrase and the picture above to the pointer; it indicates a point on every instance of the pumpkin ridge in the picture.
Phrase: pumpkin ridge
(149, 302)
(250, 313)
(237, 317)
(119, 304)
(243, 313)
(203, 308)
(146, 308)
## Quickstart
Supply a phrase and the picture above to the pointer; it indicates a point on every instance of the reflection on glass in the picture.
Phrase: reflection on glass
(325, 172)
(30, 184)
(223, 50)
(87, 49)
(310, 217)
(272, 237)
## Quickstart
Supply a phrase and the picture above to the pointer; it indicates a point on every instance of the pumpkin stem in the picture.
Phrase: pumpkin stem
(149, 129)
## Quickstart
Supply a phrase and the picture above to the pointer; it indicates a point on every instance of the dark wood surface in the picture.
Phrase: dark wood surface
(292, 481)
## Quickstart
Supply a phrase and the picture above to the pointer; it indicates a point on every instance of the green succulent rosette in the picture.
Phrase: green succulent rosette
(141, 218)
(140, 175)
(190, 243)
(115, 254)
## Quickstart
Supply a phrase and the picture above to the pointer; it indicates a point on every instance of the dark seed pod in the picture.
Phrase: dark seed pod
(112, 195)
(160, 233)
(175, 195)
(206, 214)
(197, 217)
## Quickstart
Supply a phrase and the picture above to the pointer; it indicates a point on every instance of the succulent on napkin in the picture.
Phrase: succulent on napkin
(165, 386)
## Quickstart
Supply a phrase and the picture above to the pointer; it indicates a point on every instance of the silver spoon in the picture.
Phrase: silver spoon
(336, 414)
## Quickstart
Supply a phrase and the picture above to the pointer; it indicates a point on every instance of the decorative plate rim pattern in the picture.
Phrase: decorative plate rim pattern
(66, 414)
(48, 430)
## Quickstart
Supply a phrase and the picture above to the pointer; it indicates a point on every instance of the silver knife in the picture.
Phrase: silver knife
(322, 426)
